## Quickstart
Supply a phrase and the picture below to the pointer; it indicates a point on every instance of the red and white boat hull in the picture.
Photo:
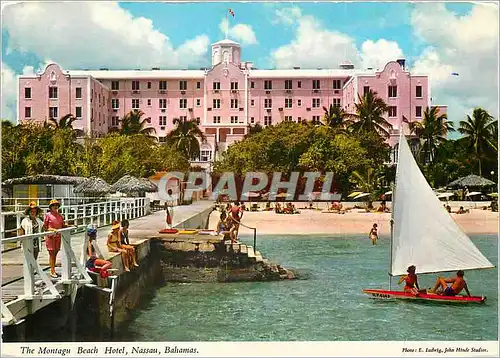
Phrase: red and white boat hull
(430, 297)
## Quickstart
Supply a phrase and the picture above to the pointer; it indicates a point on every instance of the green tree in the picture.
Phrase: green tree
(335, 117)
(478, 132)
(369, 116)
(256, 128)
(133, 123)
(186, 136)
(368, 180)
(431, 132)
(63, 123)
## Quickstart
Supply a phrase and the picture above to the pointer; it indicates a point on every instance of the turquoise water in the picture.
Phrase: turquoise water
(327, 306)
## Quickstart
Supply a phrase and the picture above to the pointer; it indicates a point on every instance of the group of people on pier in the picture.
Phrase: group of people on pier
(230, 220)
(117, 241)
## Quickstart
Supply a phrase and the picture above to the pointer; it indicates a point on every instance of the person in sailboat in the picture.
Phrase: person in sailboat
(411, 281)
(373, 234)
(458, 284)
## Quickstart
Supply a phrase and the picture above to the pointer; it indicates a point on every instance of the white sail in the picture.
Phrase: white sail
(425, 235)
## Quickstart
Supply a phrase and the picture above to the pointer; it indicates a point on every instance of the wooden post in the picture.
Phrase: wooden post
(99, 214)
(29, 279)
(66, 257)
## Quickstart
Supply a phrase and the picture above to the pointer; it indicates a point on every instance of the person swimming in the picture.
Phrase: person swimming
(373, 234)
(411, 281)
(458, 284)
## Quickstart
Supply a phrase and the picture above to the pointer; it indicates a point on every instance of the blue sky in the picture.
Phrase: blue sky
(273, 35)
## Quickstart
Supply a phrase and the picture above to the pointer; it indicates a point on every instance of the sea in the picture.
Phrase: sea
(326, 304)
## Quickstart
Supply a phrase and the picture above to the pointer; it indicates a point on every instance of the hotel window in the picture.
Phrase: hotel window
(162, 103)
(27, 92)
(163, 85)
(216, 103)
(27, 112)
(418, 90)
(315, 119)
(288, 84)
(393, 112)
(393, 91)
(78, 92)
(114, 120)
(234, 103)
(149, 101)
(288, 119)
(182, 118)
(268, 120)
(53, 112)
(299, 102)
(198, 85)
(316, 102)
(252, 102)
(78, 112)
(316, 84)
(366, 89)
(53, 92)
(268, 84)
(299, 84)
(216, 85)
(115, 103)
(115, 85)
(135, 103)
(183, 103)
(252, 84)
(182, 85)
(234, 85)
(198, 102)
(336, 84)
(205, 155)
(299, 119)
(234, 119)
(418, 111)
(163, 120)
(135, 85)
(288, 103)
(268, 103)
(149, 84)
(216, 119)
(336, 102)
(252, 119)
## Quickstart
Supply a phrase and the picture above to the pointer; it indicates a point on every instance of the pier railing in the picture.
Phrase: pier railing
(49, 291)
(79, 211)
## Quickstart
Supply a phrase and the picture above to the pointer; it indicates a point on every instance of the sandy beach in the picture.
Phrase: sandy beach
(316, 222)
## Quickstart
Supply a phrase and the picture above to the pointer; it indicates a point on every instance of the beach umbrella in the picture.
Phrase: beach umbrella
(354, 194)
(473, 193)
(130, 184)
(250, 194)
(471, 180)
(388, 193)
(281, 195)
(445, 195)
(93, 186)
(362, 195)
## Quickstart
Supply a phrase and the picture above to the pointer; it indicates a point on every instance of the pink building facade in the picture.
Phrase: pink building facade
(225, 98)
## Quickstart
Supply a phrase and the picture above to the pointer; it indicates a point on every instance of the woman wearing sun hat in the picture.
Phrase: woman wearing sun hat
(32, 224)
(114, 244)
(53, 221)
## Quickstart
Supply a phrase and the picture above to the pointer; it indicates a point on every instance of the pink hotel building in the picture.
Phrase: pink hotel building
(225, 98)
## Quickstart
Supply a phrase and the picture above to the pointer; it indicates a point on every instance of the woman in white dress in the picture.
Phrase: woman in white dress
(32, 224)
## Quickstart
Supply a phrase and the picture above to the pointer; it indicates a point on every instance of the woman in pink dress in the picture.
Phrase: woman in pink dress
(53, 221)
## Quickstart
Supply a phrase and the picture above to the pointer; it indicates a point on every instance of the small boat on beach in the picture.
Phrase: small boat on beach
(424, 234)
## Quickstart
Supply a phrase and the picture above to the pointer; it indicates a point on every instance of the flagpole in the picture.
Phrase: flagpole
(227, 22)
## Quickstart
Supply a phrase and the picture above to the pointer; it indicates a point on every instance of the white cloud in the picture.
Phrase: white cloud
(314, 45)
(96, 34)
(240, 32)
(9, 93)
(467, 45)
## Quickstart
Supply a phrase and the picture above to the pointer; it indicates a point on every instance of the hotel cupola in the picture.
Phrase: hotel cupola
(226, 51)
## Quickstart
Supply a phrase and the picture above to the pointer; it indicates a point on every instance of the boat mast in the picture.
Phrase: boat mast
(393, 189)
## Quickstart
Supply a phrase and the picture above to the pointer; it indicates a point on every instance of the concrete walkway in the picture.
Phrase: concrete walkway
(140, 229)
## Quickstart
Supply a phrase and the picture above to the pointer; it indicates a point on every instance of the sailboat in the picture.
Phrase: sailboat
(424, 234)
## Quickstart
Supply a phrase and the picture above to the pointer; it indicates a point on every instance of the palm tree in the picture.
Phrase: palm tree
(133, 123)
(367, 181)
(185, 137)
(478, 133)
(369, 115)
(431, 131)
(251, 130)
(335, 117)
(65, 122)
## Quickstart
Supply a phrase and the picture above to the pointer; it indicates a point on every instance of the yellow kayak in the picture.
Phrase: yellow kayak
(188, 231)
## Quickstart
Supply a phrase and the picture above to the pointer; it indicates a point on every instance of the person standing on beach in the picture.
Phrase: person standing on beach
(32, 224)
(373, 234)
(53, 221)
(169, 208)
(236, 214)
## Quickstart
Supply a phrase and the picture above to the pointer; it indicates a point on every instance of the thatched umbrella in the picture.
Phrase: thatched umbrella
(130, 184)
(45, 179)
(471, 181)
(93, 186)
